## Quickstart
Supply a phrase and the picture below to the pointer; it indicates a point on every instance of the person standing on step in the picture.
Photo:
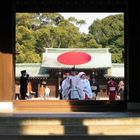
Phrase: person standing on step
(23, 84)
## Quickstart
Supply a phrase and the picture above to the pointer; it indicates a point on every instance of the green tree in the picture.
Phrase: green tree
(64, 35)
(37, 31)
(109, 32)
(88, 41)
(25, 41)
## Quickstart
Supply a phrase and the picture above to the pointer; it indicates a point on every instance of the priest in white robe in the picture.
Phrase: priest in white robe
(72, 87)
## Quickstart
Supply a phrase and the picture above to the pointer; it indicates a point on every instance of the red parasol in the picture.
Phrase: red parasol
(74, 58)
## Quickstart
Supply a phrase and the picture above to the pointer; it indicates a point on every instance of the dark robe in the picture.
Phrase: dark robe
(23, 86)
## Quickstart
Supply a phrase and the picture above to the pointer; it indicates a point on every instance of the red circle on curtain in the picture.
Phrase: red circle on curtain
(74, 58)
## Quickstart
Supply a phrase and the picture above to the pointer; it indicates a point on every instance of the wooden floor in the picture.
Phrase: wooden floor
(68, 106)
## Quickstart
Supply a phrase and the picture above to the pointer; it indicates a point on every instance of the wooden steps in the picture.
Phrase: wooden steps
(68, 106)
(70, 126)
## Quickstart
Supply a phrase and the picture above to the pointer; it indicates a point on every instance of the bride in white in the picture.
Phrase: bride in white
(86, 86)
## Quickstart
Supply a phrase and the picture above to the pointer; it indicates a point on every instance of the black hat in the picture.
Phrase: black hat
(23, 71)
(92, 76)
(112, 79)
(73, 69)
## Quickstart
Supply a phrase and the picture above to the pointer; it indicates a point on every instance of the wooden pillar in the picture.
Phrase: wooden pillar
(6, 77)
(7, 43)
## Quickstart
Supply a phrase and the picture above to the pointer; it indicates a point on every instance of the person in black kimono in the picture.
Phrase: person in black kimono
(23, 84)
(95, 87)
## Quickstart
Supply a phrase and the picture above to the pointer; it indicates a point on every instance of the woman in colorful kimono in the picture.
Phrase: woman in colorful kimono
(112, 89)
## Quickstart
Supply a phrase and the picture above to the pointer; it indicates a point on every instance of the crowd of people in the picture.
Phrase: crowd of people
(77, 86)
(115, 91)
(74, 86)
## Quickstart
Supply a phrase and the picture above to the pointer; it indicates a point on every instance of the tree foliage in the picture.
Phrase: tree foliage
(37, 31)
(109, 32)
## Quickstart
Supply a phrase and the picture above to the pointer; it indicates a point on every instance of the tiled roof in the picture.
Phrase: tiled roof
(117, 70)
(33, 69)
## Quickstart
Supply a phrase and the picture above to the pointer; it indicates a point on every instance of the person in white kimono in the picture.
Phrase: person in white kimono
(86, 86)
(67, 74)
(72, 87)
